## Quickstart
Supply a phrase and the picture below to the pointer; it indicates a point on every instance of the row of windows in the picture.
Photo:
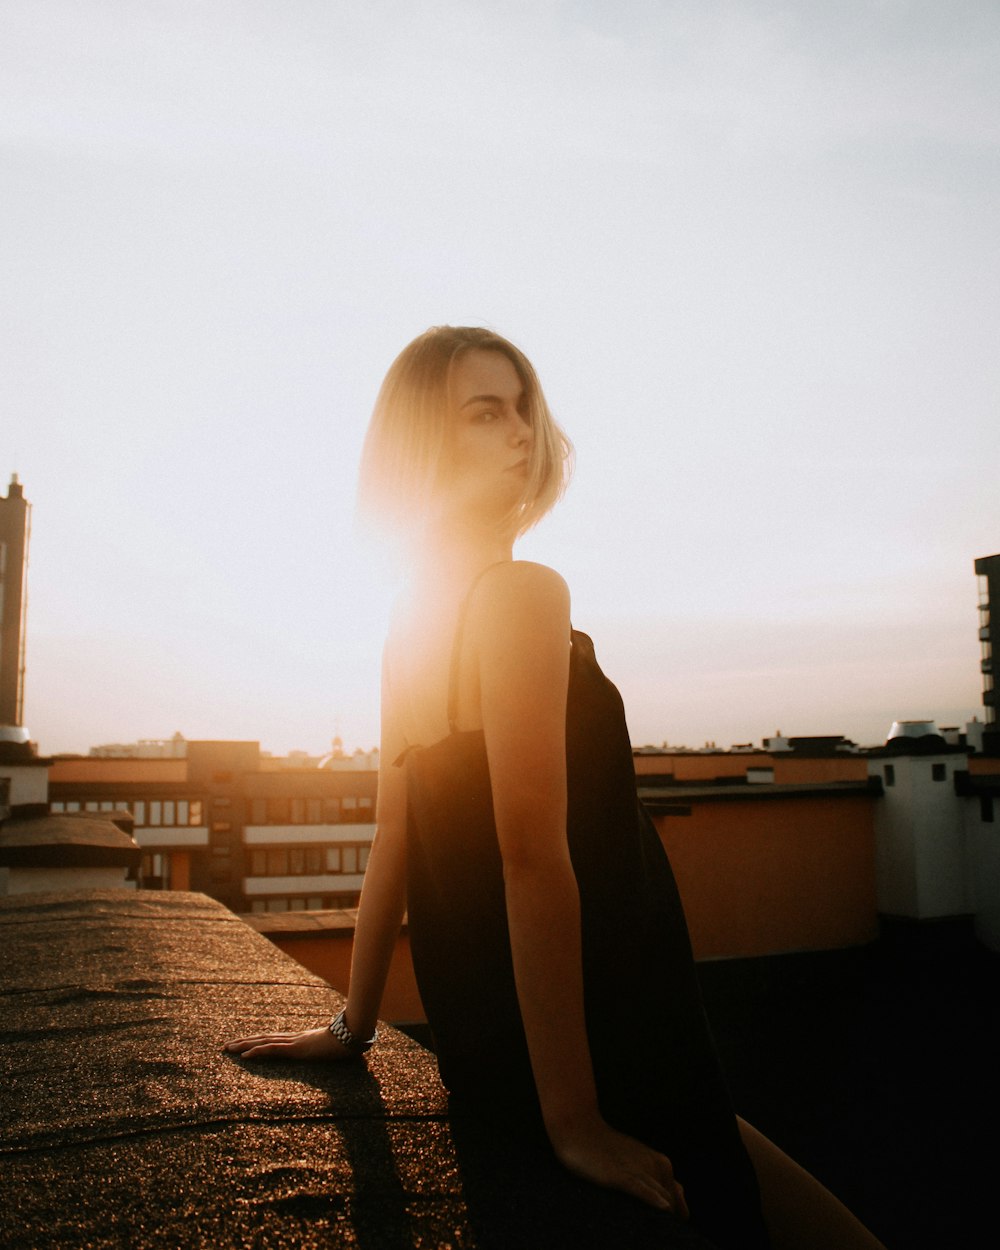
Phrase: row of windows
(312, 902)
(315, 811)
(156, 812)
(351, 810)
(298, 861)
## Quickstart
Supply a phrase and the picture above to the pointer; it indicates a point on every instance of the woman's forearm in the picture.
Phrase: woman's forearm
(543, 910)
(380, 914)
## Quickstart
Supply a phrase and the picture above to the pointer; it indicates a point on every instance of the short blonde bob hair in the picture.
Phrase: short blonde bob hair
(406, 447)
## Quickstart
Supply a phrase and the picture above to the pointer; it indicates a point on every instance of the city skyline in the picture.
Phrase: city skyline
(751, 251)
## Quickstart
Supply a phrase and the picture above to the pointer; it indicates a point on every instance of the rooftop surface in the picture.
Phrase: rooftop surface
(125, 1124)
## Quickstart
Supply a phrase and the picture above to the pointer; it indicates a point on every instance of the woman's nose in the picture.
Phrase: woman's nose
(520, 430)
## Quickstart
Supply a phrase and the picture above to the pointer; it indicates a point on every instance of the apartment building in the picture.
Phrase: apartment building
(233, 823)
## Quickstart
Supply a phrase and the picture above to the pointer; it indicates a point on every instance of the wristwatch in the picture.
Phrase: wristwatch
(356, 1045)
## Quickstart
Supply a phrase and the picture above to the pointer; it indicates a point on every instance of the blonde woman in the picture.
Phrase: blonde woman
(548, 938)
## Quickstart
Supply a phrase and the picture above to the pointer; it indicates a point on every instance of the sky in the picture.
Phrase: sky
(751, 248)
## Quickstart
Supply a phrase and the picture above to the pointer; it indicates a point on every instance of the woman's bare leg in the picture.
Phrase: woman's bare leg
(800, 1213)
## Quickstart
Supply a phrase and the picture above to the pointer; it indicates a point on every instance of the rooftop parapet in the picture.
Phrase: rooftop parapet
(125, 1124)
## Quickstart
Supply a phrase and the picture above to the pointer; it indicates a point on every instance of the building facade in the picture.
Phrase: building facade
(226, 820)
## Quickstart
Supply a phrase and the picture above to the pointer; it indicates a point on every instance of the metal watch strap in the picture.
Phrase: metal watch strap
(338, 1027)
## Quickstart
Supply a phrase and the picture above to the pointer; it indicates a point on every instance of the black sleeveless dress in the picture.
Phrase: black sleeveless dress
(657, 1073)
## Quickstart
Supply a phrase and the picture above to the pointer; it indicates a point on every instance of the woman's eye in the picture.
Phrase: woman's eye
(487, 415)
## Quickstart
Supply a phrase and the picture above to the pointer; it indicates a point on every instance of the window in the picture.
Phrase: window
(258, 811)
(277, 863)
(56, 807)
(155, 871)
(168, 812)
(331, 808)
(349, 859)
(182, 811)
(314, 859)
(297, 809)
(890, 775)
(155, 812)
(258, 863)
(91, 806)
(314, 811)
(986, 809)
(139, 811)
(333, 859)
(939, 772)
(107, 806)
(296, 860)
(72, 806)
(343, 900)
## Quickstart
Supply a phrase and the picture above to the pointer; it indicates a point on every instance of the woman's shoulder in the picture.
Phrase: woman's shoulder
(519, 588)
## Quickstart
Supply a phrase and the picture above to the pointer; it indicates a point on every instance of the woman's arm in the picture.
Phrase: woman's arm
(521, 629)
(380, 914)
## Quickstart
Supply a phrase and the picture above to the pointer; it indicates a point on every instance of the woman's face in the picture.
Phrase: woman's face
(490, 438)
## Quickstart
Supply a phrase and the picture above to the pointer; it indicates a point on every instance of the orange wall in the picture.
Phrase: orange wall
(328, 955)
(787, 767)
(758, 877)
(788, 770)
(700, 767)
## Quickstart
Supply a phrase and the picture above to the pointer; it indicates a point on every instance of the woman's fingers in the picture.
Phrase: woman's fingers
(264, 1050)
(241, 1045)
(672, 1185)
(318, 1043)
(610, 1158)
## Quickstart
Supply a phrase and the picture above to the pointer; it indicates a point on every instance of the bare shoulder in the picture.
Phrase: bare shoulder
(522, 591)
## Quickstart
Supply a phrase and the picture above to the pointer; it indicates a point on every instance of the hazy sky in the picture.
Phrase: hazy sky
(751, 247)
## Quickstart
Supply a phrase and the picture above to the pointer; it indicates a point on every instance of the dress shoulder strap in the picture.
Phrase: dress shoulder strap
(456, 648)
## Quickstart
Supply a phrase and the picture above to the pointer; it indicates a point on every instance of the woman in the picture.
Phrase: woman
(548, 939)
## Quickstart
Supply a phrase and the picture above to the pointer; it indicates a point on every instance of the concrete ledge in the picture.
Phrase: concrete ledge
(124, 1123)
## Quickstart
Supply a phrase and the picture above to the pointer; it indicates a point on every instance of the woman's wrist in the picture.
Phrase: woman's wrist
(570, 1125)
(354, 1040)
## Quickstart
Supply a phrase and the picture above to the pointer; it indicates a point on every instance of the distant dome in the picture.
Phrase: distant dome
(912, 729)
(14, 733)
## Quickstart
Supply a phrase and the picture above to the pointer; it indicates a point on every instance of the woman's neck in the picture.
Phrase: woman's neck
(459, 555)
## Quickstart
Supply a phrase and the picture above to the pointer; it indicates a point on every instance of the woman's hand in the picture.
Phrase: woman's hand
(316, 1043)
(601, 1154)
